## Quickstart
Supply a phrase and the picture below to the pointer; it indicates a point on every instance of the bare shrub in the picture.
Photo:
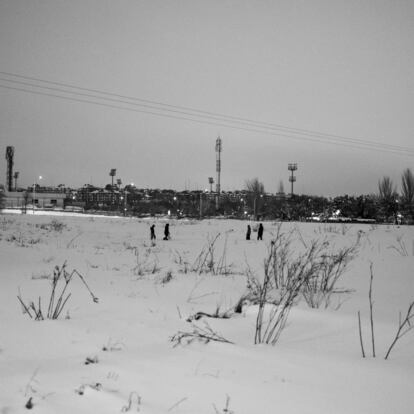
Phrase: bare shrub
(21, 240)
(313, 273)
(54, 225)
(6, 223)
(328, 268)
(57, 301)
(182, 261)
(146, 262)
(206, 261)
(401, 248)
(287, 288)
(251, 296)
(167, 277)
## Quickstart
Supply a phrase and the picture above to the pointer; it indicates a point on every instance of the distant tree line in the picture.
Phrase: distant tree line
(387, 205)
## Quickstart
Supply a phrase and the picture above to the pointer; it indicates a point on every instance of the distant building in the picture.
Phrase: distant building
(20, 199)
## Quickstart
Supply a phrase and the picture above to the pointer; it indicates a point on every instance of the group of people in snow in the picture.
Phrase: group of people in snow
(259, 232)
(166, 232)
(167, 235)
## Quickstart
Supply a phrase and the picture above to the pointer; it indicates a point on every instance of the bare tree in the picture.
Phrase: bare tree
(281, 188)
(256, 191)
(2, 197)
(387, 196)
(254, 185)
(386, 188)
(407, 192)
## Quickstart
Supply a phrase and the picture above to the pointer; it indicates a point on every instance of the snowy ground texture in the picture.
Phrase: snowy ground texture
(117, 355)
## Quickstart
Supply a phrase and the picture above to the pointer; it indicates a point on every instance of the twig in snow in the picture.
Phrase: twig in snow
(203, 334)
(404, 326)
(177, 404)
(226, 409)
(370, 311)
(133, 398)
(360, 335)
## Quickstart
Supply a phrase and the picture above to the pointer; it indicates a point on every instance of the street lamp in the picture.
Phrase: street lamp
(15, 176)
(34, 192)
(254, 205)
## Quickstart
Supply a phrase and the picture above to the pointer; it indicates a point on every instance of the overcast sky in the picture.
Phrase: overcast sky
(342, 68)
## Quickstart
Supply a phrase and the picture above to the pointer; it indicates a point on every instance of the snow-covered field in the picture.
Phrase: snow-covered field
(146, 292)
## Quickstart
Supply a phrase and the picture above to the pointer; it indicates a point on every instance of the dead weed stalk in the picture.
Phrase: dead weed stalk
(57, 300)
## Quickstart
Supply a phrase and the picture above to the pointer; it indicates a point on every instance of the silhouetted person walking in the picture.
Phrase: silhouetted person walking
(260, 232)
(167, 232)
(249, 231)
(153, 237)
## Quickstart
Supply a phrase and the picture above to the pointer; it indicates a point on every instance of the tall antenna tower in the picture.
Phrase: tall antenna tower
(9, 158)
(218, 169)
(292, 178)
(218, 163)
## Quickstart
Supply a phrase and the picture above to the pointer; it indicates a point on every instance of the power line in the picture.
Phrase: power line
(229, 121)
(226, 118)
(214, 116)
(408, 152)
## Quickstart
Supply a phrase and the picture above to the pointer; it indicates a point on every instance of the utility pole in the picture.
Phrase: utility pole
(15, 176)
(125, 200)
(292, 178)
(218, 169)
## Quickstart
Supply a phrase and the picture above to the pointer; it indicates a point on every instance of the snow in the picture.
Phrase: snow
(316, 366)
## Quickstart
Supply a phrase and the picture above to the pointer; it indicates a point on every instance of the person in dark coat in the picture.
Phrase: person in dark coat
(249, 231)
(153, 237)
(260, 232)
(167, 232)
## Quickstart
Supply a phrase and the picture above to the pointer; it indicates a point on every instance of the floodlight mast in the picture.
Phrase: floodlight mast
(211, 182)
(292, 167)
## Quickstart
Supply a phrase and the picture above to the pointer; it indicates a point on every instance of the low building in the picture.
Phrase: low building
(20, 199)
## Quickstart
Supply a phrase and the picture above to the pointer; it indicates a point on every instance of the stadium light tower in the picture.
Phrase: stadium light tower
(211, 182)
(112, 173)
(292, 178)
